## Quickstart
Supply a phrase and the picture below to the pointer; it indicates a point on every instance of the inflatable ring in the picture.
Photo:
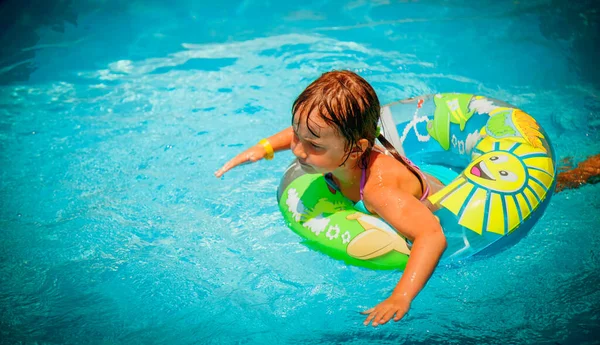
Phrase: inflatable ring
(495, 160)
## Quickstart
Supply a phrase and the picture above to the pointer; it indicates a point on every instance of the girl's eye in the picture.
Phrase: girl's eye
(313, 145)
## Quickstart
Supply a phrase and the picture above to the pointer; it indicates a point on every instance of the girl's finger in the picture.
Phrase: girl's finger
(381, 316)
(385, 317)
(232, 163)
(225, 168)
(370, 317)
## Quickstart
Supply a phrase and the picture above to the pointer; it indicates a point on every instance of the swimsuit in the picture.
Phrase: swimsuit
(360, 205)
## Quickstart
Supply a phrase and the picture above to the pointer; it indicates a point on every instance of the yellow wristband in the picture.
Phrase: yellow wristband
(268, 148)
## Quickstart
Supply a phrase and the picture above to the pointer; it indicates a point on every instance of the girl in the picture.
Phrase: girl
(334, 126)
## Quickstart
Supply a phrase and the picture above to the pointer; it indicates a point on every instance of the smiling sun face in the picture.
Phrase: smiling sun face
(500, 188)
(499, 171)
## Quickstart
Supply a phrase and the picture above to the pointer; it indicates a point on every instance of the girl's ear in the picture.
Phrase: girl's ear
(360, 147)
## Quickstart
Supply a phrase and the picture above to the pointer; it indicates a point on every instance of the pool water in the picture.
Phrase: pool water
(115, 114)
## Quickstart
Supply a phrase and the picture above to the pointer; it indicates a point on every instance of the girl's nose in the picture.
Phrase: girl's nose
(298, 150)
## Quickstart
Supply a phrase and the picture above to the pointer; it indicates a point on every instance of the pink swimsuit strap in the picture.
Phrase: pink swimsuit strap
(419, 173)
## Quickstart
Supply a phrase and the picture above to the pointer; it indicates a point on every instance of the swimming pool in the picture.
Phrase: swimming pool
(114, 229)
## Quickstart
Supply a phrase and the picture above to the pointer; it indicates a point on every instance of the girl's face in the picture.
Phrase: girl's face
(321, 153)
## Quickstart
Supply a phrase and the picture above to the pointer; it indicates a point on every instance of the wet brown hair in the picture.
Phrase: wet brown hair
(349, 103)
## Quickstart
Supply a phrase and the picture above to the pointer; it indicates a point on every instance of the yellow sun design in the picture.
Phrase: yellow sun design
(500, 188)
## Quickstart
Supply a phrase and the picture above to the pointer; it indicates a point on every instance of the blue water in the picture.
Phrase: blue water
(115, 114)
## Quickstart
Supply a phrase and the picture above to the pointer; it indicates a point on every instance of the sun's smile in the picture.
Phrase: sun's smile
(481, 170)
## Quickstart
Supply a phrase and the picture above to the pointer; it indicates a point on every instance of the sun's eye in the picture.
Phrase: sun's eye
(508, 176)
(498, 159)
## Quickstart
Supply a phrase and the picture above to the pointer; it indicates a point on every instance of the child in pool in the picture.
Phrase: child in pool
(333, 132)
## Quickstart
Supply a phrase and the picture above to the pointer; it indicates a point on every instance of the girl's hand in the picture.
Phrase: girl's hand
(384, 311)
(253, 154)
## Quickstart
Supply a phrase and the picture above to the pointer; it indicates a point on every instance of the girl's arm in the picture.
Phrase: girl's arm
(412, 219)
(279, 141)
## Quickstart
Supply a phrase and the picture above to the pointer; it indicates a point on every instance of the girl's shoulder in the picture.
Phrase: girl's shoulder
(387, 172)
(387, 167)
